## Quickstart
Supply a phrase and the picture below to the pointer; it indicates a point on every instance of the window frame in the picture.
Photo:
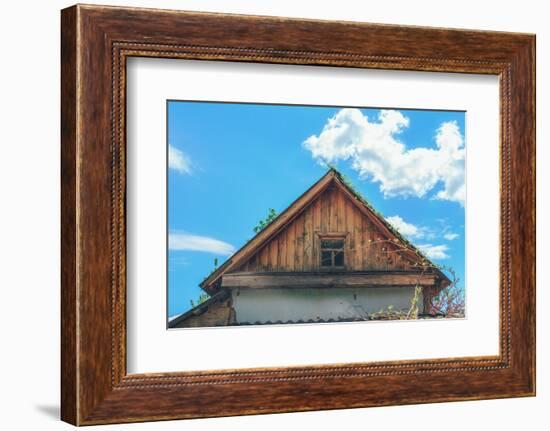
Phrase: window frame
(334, 236)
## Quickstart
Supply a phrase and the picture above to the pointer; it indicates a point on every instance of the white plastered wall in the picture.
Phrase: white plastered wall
(317, 304)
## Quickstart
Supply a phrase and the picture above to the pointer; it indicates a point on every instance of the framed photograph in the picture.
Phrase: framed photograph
(265, 214)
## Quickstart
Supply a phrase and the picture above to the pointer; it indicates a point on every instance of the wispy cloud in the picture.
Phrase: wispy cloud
(450, 236)
(374, 150)
(408, 229)
(420, 232)
(434, 251)
(179, 161)
(185, 241)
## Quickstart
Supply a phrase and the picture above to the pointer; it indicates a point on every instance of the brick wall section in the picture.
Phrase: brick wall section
(218, 314)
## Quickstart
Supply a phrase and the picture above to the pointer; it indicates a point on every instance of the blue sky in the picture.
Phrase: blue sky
(229, 163)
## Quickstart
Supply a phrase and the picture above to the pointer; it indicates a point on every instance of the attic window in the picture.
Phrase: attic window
(332, 252)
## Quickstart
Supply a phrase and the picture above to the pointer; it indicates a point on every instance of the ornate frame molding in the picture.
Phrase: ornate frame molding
(96, 41)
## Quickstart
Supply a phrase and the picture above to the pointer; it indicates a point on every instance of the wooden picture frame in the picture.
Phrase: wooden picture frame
(95, 43)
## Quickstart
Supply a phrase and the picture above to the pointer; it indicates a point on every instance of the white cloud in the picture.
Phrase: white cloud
(434, 251)
(178, 160)
(408, 229)
(185, 241)
(451, 147)
(422, 232)
(374, 151)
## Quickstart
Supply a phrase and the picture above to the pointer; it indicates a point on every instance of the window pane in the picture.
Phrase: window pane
(326, 258)
(339, 258)
(332, 243)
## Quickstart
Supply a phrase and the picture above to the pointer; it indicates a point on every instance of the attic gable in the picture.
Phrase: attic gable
(330, 206)
(333, 214)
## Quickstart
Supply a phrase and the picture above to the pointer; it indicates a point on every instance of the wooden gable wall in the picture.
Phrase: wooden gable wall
(296, 247)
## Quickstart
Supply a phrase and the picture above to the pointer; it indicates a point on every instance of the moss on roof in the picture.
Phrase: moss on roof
(347, 181)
